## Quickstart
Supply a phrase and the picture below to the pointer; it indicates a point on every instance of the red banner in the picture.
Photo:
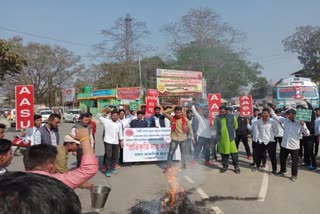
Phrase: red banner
(151, 102)
(245, 106)
(153, 93)
(128, 93)
(214, 102)
(24, 106)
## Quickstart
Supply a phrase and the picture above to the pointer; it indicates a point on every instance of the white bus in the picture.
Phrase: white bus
(290, 92)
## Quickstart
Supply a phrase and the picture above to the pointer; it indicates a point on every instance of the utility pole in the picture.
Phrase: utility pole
(128, 37)
(140, 75)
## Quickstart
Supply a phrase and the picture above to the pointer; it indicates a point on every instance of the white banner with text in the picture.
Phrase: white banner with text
(147, 144)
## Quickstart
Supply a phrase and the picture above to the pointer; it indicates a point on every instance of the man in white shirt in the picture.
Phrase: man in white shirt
(112, 138)
(124, 124)
(278, 137)
(204, 132)
(252, 128)
(317, 130)
(266, 129)
(290, 141)
(33, 134)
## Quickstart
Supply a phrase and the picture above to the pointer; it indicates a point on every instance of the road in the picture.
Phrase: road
(248, 192)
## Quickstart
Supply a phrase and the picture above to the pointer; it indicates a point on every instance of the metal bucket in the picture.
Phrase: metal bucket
(99, 195)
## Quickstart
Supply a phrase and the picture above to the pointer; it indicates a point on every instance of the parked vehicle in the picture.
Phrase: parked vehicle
(45, 114)
(71, 115)
(291, 92)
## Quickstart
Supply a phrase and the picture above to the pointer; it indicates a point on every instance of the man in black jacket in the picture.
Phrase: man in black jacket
(242, 134)
(157, 119)
(309, 159)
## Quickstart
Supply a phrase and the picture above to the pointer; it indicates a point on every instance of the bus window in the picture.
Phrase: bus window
(308, 92)
(289, 92)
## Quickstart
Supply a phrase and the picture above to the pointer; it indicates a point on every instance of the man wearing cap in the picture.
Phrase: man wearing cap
(41, 159)
(290, 141)
(69, 145)
(225, 125)
(180, 127)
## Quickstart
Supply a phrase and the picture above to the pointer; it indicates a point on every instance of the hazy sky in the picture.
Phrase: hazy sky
(265, 22)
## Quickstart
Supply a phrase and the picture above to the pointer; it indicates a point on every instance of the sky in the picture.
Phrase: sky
(79, 23)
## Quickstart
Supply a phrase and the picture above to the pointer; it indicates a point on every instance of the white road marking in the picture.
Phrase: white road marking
(264, 186)
(202, 193)
(217, 210)
(189, 179)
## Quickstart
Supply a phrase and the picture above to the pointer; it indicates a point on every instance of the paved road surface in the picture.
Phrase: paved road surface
(245, 193)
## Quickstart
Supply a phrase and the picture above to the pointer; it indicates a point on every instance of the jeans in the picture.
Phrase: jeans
(244, 139)
(120, 155)
(214, 148)
(203, 143)
(294, 157)
(79, 156)
(309, 155)
(254, 152)
(301, 149)
(278, 140)
(111, 151)
(316, 146)
(225, 160)
(189, 149)
(271, 148)
(183, 149)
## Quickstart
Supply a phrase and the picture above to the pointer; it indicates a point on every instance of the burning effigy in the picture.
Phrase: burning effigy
(174, 201)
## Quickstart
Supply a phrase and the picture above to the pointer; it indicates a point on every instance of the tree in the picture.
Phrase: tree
(123, 41)
(226, 71)
(48, 68)
(117, 75)
(10, 61)
(306, 43)
(261, 88)
(201, 26)
(148, 71)
(202, 42)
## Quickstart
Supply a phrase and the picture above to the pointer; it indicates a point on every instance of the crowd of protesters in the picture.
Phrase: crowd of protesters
(199, 141)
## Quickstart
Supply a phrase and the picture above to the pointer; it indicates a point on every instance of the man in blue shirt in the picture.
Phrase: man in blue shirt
(139, 122)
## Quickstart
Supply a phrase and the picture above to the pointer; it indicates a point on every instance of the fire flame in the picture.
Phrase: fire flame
(174, 186)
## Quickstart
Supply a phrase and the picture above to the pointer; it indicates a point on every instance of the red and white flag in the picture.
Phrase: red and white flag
(245, 106)
(214, 102)
(24, 106)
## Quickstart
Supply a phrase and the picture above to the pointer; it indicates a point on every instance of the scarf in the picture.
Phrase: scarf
(174, 123)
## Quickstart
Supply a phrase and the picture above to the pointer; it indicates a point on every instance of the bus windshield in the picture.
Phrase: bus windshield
(291, 92)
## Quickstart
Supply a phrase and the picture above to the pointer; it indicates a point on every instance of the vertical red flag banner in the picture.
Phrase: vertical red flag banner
(24, 106)
(152, 93)
(214, 102)
(245, 106)
(151, 102)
